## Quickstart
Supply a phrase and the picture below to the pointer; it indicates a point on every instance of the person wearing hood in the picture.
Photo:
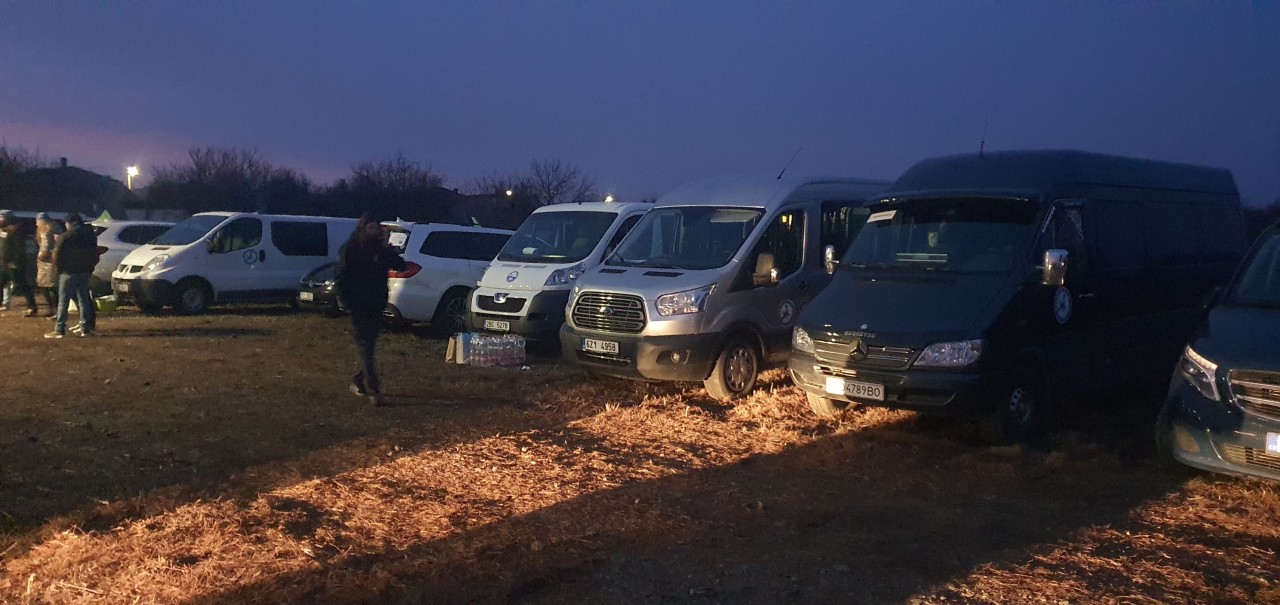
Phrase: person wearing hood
(13, 261)
(74, 257)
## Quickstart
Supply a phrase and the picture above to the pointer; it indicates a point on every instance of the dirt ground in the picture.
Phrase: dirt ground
(220, 459)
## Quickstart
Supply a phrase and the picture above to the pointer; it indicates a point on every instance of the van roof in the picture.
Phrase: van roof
(618, 207)
(1041, 170)
(259, 214)
(754, 190)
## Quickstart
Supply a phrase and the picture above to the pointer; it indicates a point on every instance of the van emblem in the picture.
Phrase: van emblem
(857, 351)
(786, 312)
(863, 327)
(500, 297)
(512, 276)
(604, 310)
(249, 256)
(1062, 305)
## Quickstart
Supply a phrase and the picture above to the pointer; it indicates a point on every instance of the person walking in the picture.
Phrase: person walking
(13, 261)
(47, 231)
(363, 263)
(74, 257)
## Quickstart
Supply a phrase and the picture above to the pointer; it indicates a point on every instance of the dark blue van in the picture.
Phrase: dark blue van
(999, 284)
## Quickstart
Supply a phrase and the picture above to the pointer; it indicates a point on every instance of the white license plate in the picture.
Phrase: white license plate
(497, 325)
(306, 296)
(855, 390)
(1273, 443)
(122, 286)
(599, 346)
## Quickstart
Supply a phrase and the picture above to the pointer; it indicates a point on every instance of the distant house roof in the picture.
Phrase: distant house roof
(65, 189)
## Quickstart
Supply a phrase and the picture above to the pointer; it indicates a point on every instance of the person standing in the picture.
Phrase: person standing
(13, 261)
(47, 231)
(363, 263)
(74, 257)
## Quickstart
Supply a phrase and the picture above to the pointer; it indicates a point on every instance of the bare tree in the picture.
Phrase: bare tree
(395, 174)
(556, 182)
(19, 159)
(222, 179)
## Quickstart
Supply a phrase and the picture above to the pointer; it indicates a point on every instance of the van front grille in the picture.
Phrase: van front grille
(609, 312)
(510, 304)
(1248, 456)
(840, 354)
(1256, 391)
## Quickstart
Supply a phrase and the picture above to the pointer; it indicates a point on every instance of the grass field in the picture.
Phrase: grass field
(220, 459)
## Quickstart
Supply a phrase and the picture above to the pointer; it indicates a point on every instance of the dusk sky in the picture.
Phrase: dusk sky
(642, 95)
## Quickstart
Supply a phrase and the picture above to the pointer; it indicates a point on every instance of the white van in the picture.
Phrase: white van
(217, 257)
(707, 286)
(526, 287)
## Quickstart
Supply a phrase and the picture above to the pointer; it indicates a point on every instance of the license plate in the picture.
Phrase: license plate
(306, 296)
(599, 346)
(1273, 443)
(855, 390)
(122, 286)
(497, 326)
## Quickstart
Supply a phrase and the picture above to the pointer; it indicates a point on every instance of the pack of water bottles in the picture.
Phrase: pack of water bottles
(485, 350)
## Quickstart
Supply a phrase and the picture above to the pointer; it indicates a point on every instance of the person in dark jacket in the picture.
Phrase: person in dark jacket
(74, 256)
(13, 261)
(363, 263)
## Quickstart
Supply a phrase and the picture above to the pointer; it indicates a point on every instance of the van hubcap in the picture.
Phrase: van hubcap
(193, 298)
(1021, 406)
(739, 370)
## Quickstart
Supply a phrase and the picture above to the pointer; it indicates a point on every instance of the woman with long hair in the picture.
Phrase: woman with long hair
(363, 264)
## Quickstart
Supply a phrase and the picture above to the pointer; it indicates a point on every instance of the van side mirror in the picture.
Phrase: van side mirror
(1054, 270)
(766, 273)
(829, 258)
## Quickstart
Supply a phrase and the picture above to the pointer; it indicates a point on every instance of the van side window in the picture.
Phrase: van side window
(1171, 233)
(485, 246)
(781, 247)
(841, 222)
(1117, 235)
(1066, 232)
(1220, 229)
(295, 238)
(622, 232)
(239, 234)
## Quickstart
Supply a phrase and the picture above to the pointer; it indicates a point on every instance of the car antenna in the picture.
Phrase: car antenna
(982, 143)
(793, 158)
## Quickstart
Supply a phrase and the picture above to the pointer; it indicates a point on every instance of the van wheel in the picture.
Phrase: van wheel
(734, 375)
(825, 407)
(193, 297)
(451, 314)
(1022, 414)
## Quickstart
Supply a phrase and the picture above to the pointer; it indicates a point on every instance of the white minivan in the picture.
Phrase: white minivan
(526, 287)
(708, 285)
(442, 264)
(217, 257)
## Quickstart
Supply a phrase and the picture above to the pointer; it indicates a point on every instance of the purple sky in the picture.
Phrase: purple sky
(643, 95)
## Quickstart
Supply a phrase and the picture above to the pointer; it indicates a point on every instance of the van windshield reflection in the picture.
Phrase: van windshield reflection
(1259, 283)
(189, 230)
(687, 237)
(557, 237)
(957, 235)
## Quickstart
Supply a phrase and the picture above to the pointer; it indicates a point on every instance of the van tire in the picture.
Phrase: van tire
(451, 313)
(735, 371)
(825, 407)
(1023, 413)
(193, 297)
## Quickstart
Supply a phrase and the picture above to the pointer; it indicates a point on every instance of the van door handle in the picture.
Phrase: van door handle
(262, 255)
(1089, 295)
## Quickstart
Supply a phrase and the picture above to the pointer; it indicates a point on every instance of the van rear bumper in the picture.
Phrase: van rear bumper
(954, 393)
(541, 319)
(144, 292)
(681, 358)
(1218, 437)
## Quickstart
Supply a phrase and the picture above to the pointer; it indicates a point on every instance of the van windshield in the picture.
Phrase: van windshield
(1259, 283)
(959, 235)
(557, 237)
(189, 230)
(687, 237)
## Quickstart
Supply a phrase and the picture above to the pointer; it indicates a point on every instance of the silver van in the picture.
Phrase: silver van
(707, 285)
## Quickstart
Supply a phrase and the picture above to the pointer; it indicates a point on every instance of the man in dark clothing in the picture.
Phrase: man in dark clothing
(362, 285)
(74, 257)
(14, 262)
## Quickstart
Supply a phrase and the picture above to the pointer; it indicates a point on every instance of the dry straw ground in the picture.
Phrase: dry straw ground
(219, 459)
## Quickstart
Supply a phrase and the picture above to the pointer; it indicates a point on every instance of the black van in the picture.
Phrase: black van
(996, 284)
(1223, 409)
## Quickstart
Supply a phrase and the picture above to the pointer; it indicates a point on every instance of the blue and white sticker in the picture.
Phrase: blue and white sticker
(249, 256)
(512, 276)
(786, 312)
(1062, 305)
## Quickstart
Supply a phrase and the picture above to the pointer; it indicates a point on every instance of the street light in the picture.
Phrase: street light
(510, 193)
(608, 198)
(131, 172)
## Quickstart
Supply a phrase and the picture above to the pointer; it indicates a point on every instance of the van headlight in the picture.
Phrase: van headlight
(684, 303)
(156, 263)
(950, 354)
(1199, 373)
(564, 277)
(800, 341)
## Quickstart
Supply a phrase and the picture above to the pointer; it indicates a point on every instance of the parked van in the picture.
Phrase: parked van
(996, 284)
(707, 285)
(442, 265)
(116, 239)
(526, 287)
(1223, 409)
(218, 257)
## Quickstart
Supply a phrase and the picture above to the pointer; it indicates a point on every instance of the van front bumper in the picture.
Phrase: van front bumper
(541, 318)
(955, 393)
(1218, 437)
(143, 292)
(680, 358)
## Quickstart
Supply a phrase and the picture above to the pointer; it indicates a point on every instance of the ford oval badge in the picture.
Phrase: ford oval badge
(512, 276)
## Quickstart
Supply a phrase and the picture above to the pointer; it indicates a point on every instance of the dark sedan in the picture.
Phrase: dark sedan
(317, 291)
